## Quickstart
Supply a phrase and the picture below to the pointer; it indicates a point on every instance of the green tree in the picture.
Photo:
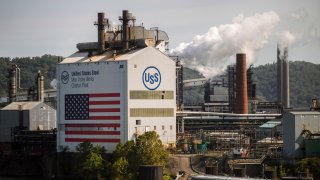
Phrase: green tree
(120, 169)
(146, 150)
(310, 165)
(150, 150)
(91, 162)
(84, 148)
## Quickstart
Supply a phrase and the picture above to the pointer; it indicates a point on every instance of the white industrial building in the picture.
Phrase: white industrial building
(294, 123)
(115, 89)
(111, 100)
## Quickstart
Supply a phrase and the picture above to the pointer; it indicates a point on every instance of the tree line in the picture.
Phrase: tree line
(94, 162)
(304, 79)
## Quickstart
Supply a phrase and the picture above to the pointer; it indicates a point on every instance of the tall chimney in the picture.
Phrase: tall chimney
(40, 87)
(101, 34)
(126, 18)
(279, 76)
(285, 81)
(125, 26)
(13, 83)
(241, 85)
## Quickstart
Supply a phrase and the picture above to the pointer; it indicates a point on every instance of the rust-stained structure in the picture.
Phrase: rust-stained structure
(102, 22)
(40, 87)
(241, 85)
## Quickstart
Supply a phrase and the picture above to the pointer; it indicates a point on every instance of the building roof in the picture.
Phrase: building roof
(304, 112)
(270, 124)
(22, 105)
(82, 57)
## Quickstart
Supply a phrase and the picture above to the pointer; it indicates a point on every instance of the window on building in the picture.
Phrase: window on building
(138, 122)
(170, 127)
(154, 127)
(162, 127)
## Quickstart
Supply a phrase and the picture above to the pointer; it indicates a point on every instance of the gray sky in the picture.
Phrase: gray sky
(37, 27)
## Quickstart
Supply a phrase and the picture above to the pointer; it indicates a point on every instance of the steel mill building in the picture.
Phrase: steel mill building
(112, 90)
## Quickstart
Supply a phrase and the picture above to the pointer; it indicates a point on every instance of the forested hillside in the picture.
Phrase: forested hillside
(29, 68)
(195, 95)
(304, 79)
(304, 82)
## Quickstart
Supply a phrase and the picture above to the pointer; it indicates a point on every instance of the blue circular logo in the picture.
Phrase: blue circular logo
(65, 77)
(151, 78)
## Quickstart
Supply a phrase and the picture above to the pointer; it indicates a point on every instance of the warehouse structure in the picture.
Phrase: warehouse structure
(114, 90)
(31, 116)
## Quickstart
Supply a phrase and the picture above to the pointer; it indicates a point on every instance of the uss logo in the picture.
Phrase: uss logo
(151, 78)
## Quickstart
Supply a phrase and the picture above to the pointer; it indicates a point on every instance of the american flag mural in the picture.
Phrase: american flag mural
(101, 107)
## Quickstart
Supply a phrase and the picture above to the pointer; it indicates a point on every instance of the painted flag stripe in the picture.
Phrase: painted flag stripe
(92, 125)
(96, 140)
(93, 132)
(104, 102)
(105, 110)
(104, 95)
(104, 117)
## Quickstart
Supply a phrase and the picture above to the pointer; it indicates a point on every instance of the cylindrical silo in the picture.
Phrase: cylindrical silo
(241, 85)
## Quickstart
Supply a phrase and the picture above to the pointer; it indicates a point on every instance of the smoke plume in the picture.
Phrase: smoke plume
(53, 84)
(286, 38)
(208, 53)
(299, 15)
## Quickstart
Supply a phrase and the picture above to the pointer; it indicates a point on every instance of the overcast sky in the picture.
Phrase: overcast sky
(37, 27)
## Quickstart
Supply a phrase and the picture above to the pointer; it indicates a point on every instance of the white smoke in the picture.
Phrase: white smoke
(299, 15)
(286, 38)
(302, 30)
(53, 84)
(208, 53)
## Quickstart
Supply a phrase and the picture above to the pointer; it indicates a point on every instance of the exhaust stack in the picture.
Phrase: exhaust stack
(279, 76)
(126, 18)
(102, 22)
(241, 85)
(13, 83)
(283, 89)
(40, 87)
(286, 88)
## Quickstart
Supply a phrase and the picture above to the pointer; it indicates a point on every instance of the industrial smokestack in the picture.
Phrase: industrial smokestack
(125, 22)
(285, 81)
(126, 17)
(283, 89)
(279, 75)
(101, 34)
(13, 83)
(241, 85)
(40, 87)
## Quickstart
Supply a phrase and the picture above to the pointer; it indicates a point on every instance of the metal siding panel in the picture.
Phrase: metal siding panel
(111, 78)
(152, 57)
